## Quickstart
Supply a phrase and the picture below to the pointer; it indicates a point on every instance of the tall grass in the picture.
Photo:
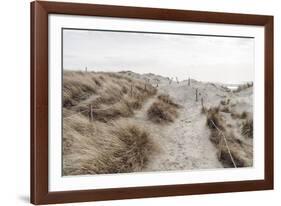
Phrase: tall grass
(241, 151)
(112, 95)
(101, 148)
(111, 143)
(247, 128)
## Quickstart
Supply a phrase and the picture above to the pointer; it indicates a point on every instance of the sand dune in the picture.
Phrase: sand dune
(182, 141)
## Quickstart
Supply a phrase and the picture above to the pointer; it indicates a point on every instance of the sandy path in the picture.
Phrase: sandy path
(185, 143)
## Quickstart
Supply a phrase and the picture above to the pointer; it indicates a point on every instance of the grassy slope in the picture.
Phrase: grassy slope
(112, 142)
(236, 125)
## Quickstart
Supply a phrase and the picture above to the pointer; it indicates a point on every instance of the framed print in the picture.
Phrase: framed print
(131, 102)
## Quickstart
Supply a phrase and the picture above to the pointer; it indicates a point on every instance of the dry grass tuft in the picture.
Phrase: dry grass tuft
(160, 112)
(117, 110)
(241, 152)
(243, 115)
(225, 109)
(76, 86)
(247, 128)
(213, 117)
(225, 102)
(163, 110)
(166, 99)
(99, 148)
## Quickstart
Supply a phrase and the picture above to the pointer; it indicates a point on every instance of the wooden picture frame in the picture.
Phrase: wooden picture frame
(39, 102)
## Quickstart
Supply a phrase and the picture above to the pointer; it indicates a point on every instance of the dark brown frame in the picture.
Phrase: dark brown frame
(39, 102)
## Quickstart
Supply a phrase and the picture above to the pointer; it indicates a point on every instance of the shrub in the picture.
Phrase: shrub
(160, 112)
(164, 109)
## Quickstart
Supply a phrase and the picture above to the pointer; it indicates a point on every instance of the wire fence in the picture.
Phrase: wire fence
(79, 112)
(89, 110)
(225, 141)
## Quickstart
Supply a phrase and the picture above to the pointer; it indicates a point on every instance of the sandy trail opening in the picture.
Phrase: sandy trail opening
(184, 144)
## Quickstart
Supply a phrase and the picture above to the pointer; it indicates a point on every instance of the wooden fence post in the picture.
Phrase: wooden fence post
(86, 69)
(202, 102)
(196, 95)
(131, 90)
(188, 81)
(91, 118)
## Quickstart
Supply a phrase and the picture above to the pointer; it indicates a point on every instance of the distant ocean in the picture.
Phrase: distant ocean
(232, 87)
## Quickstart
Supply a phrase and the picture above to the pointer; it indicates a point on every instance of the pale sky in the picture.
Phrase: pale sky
(205, 58)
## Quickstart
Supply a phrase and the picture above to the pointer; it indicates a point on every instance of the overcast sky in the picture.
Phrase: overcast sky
(205, 58)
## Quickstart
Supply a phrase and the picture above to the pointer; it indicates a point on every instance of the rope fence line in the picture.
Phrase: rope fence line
(75, 114)
(89, 110)
(225, 141)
